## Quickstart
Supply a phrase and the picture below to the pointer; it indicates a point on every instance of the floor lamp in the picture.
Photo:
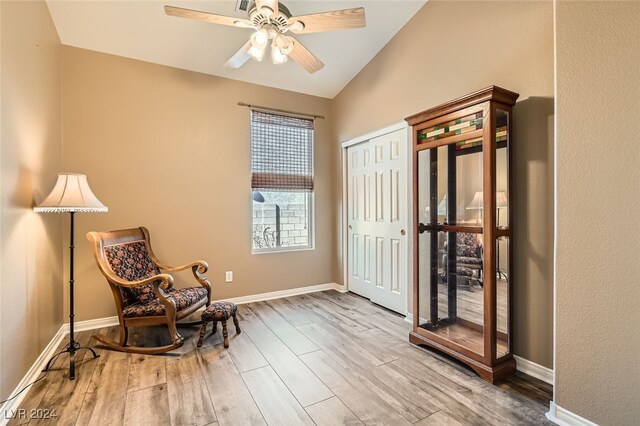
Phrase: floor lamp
(72, 195)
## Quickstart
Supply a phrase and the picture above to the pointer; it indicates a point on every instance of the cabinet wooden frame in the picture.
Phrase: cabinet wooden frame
(488, 364)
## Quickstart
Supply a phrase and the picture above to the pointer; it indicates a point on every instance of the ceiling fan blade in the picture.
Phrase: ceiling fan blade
(302, 56)
(271, 4)
(207, 17)
(328, 21)
(240, 57)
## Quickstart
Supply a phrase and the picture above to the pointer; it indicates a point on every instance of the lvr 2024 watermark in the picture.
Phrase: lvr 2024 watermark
(35, 413)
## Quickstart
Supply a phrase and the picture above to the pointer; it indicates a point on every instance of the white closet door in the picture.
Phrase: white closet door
(377, 198)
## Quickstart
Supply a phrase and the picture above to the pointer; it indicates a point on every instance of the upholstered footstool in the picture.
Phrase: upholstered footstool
(219, 311)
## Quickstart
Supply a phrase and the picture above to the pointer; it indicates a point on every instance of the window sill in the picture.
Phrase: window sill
(283, 250)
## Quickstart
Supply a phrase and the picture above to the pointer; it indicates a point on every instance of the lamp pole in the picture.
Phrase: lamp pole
(72, 347)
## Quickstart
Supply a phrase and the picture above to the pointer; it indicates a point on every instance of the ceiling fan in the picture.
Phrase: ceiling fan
(271, 21)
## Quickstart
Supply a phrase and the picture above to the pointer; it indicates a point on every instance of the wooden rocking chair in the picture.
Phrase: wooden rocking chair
(144, 295)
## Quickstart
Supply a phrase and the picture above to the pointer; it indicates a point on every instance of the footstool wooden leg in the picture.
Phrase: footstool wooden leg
(225, 334)
(215, 328)
(235, 322)
(203, 330)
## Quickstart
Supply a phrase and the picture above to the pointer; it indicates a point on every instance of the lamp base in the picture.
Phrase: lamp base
(72, 347)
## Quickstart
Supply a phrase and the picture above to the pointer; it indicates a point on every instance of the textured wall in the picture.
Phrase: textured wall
(598, 200)
(450, 49)
(170, 149)
(30, 156)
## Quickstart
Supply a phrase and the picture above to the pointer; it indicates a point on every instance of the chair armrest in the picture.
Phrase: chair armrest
(157, 281)
(198, 268)
(200, 265)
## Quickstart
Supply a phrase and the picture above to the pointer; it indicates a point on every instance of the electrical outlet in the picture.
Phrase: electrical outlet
(228, 276)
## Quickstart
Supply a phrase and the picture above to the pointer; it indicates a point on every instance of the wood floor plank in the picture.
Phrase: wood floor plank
(329, 313)
(440, 418)
(406, 398)
(533, 388)
(146, 371)
(105, 400)
(333, 340)
(356, 395)
(332, 412)
(470, 405)
(291, 312)
(189, 401)
(66, 396)
(229, 394)
(54, 378)
(276, 403)
(147, 407)
(290, 336)
(302, 383)
(244, 353)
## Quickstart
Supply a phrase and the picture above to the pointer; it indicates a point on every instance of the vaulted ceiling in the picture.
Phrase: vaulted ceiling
(141, 30)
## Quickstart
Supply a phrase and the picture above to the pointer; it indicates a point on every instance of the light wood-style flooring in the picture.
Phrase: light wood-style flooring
(325, 358)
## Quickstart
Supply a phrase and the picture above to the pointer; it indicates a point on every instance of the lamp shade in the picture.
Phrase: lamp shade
(442, 207)
(71, 194)
(501, 199)
(476, 203)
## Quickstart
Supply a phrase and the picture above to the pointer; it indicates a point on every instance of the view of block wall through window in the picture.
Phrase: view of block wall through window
(281, 182)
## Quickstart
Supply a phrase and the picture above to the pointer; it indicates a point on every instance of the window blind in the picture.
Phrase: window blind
(281, 152)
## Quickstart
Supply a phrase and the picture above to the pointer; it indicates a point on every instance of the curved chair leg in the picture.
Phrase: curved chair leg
(215, 328)
(124, 335)
(203, 330)
(235, 322)
(173, 332)
(225, 334)
(138, 349)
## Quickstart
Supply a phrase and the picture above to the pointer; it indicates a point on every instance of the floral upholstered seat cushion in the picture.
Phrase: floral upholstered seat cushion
(469, 260)
(464, 272)
(130, 261)
(219, 311)
(468, 249)
(184, 297)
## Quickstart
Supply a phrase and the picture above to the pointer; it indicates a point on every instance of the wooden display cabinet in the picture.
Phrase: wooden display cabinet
(462, 290)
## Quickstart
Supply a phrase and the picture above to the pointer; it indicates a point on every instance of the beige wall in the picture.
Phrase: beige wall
(598, 200)
(170, 149)
(30, 156)
(448, 50)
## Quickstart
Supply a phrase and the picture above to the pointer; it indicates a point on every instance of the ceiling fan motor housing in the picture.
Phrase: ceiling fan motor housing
(279, 21)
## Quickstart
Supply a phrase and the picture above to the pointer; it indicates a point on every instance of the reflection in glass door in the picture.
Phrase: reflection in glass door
(450, 260)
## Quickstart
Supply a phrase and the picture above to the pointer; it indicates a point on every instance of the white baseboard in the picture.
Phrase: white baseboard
(534, 370)
(562, 417)
(93, 324)
(286, 293)
(524, 365)
(8, 409)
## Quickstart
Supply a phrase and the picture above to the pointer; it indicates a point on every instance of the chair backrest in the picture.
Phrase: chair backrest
(468, 245)
(126, 255)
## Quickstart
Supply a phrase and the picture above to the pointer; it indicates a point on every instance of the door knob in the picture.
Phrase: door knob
(403, 232)
(350, 227)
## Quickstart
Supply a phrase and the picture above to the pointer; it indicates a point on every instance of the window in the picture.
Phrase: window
(281, 182)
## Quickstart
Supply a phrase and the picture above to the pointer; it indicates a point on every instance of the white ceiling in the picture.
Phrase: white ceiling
(140, 30)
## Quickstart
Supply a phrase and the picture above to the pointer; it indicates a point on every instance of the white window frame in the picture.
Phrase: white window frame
(310, 199)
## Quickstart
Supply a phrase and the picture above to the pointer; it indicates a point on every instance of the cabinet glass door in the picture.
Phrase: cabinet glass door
(450, 253)
(503, 231)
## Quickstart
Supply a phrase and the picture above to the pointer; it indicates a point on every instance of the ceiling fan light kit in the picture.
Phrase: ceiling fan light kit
(271, 20)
